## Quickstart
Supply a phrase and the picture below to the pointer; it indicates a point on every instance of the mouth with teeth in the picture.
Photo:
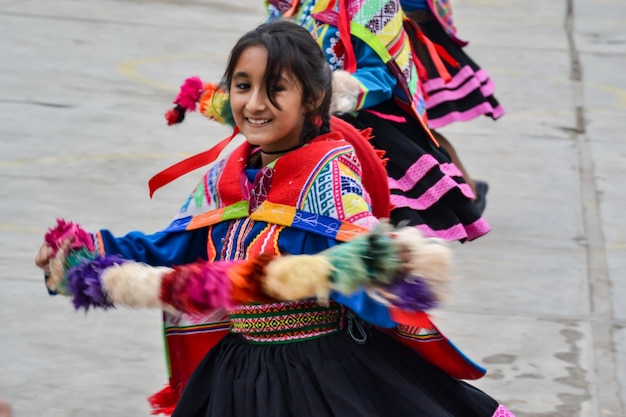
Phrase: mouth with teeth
(258, 122)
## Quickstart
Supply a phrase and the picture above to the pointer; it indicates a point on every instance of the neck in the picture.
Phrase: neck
(298, 146)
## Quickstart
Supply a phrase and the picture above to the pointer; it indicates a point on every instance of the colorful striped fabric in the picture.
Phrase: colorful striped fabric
(279, 214)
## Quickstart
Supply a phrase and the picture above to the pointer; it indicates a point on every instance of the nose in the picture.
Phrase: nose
(257, 100)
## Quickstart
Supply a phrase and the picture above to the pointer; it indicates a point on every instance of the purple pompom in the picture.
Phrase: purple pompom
(85, 284)
(412, 293)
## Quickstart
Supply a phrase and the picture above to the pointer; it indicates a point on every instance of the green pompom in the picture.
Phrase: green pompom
(367, 259)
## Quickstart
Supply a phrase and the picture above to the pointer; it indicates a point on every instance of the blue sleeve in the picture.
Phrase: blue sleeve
(377, 83)
(158, 249)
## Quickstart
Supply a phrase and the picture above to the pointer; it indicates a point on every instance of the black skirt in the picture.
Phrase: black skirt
(427, 189)
(470, 91)
(329, 376)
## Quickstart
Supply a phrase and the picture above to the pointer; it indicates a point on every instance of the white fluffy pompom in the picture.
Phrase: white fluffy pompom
(134, 284)
(345, 92)
(425, 257)
(292, 278)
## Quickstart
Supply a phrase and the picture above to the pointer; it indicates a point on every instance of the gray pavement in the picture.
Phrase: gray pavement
(538, 301)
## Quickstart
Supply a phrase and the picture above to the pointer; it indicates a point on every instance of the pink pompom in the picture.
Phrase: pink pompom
(189, 94)
(78, 237)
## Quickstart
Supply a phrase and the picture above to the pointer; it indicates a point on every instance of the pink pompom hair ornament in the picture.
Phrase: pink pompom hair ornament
(185, 101)
(213, 102)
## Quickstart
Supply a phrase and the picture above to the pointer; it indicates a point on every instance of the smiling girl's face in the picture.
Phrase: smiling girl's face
(272, 127)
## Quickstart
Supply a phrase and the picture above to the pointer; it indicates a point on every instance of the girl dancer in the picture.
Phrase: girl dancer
(456, 89)
(376, 85)
(295, 348)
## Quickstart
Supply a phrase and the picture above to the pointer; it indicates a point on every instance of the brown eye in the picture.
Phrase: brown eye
(277, 88)
(242, 86)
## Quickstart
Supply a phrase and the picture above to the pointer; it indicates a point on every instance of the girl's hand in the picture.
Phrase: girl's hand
(42, 260)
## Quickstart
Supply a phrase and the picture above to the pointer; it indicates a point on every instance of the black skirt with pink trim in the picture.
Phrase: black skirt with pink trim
(470, 91)
(427, 189)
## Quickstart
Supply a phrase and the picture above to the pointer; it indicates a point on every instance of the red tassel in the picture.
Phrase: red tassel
(164, 401)
(173, 116)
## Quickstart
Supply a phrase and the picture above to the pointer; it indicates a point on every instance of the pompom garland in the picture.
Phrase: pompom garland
(369, 258)
(85, 285)
(134, 284)
(427, 258)
(247, 277)
(64, 260)
(299, 277)
(197, 287)
(407, 292)
(398, 268)
(67, 240)
(68, 231)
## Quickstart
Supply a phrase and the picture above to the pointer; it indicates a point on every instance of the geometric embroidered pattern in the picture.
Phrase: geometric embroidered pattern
(286, 322)
(321, 195)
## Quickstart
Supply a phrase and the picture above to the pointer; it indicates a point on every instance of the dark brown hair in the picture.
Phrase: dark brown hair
(291, 48)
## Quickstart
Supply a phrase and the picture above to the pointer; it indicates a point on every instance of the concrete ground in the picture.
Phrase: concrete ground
(85, 83)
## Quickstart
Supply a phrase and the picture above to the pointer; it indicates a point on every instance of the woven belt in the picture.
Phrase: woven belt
(286, 322)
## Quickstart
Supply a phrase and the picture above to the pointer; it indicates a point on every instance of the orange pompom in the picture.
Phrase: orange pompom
(246, 280)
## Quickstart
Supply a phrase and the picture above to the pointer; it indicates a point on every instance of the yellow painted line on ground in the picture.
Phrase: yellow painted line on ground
(621, 94)
(11, 227)
(130, 68)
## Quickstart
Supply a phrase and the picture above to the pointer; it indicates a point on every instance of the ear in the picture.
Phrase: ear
(314, 104)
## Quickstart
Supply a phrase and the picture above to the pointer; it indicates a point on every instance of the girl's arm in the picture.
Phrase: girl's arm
(376, 83)
(157, 249)
(372, 82)
(68, 244)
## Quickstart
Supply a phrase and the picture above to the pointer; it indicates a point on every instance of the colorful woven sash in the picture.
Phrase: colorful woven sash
(286, 322)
